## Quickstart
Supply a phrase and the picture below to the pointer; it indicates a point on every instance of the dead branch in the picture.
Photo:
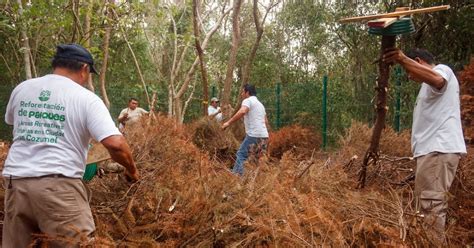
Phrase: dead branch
(372, 154)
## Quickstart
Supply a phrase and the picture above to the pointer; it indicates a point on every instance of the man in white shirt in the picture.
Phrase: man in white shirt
(53, 119)
(256, 123)
(437, 138)
(214, 111)
(131, 114)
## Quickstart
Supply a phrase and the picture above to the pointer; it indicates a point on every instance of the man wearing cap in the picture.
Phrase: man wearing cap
(131, 114)
(53, 119)
(214, 111)
(256, 124)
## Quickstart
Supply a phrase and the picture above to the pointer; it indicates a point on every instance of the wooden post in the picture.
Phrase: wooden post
(372, 154)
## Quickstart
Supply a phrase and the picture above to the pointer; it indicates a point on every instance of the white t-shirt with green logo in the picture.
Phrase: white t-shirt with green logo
(54, 119)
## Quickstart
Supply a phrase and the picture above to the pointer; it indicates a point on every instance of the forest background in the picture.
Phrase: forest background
(174, 55)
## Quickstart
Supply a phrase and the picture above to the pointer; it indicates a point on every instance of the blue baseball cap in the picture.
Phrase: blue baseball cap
(75, 52)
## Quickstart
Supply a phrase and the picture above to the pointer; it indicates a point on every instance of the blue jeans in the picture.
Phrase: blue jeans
(249, 143)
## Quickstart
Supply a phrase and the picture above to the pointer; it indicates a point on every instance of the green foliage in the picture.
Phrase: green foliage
(302, 42)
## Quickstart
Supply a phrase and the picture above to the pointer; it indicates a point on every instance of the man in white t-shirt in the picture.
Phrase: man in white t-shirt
(214, 111)
(256, 123)
(131, 114)
(53, 119)
(437, 138)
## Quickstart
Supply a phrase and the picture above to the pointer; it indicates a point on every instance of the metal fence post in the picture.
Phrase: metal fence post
(324, 105)
(278, 107)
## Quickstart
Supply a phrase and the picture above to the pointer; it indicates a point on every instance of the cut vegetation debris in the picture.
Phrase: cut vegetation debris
(188, 197)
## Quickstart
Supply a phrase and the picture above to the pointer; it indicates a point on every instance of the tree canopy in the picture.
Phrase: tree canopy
(151, 47)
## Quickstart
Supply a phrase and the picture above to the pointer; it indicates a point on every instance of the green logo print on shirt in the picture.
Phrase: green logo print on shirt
(44, 95)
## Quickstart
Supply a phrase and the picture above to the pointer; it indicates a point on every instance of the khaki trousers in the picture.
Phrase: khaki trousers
(56, 208)
(434, 174)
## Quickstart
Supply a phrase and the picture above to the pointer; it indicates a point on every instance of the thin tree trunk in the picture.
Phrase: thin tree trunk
(372, 154)
(189, 75)
(77, 23)
(170, 101)
(153, 103)
(105, 48)
(233, 53)
(178, 110)
(201, 59)
(87, 34)
(191, 70)
(142, 79)
(259, 29)
(186, 103)
(25, 43)
(32, 64)
(171, 86)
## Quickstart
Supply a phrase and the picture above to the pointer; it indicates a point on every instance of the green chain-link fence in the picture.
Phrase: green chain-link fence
(327, 107)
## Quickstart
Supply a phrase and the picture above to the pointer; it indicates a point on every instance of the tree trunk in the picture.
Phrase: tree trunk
(372, 154)
(251, 57)
(170, 100)
(77, 31)
(105, 48)
(177, 110)
(25, 43)
(233, 53)
(196, 27)
(259, 29)
(186, 103)
(189, 75)
(142, 79)
(87, 30)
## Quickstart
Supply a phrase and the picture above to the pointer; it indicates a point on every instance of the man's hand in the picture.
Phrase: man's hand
(242, 111)
(225, 125)
(394, 55)
(120, 153)
(131, 176)
(123, 119)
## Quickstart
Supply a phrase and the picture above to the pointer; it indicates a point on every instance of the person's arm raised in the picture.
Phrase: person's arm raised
(415, 69)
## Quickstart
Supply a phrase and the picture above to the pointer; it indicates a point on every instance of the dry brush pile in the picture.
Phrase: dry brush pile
(467, 101)
(187, 197)
(207, 135)
(299, 140)
(299, 197)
